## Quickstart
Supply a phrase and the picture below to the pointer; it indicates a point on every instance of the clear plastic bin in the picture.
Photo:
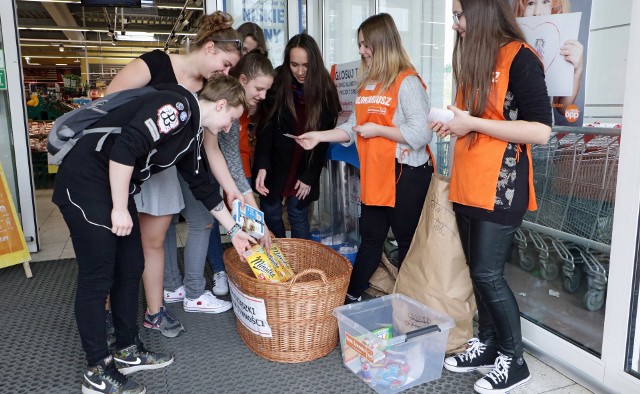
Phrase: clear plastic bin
(393, 342)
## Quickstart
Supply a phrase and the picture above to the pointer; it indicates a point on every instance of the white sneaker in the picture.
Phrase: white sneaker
(220, 284)
(174, 296)
(206, 303)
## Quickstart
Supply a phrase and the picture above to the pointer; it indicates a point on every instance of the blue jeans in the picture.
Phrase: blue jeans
(199, 221)
(298, 217)
(215, 249)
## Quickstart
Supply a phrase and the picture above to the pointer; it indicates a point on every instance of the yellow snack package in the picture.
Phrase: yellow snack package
(261, 265)
(278, 258)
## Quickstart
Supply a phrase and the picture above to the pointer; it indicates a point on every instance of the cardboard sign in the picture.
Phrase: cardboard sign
(13, 248)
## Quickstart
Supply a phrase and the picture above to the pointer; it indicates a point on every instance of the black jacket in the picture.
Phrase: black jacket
(158, 131)
(274, 152)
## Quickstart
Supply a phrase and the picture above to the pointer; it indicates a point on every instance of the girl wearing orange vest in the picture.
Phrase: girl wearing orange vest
(500, 83)
(389, 126)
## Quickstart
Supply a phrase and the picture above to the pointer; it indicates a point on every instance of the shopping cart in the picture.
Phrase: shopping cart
(575, 181)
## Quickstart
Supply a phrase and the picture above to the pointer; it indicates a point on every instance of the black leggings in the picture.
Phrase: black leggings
(486, 246)
(106, 263)
(411, 190)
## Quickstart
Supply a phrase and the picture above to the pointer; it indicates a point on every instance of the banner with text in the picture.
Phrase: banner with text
(13, 248)
(345, 77)
(270, 15)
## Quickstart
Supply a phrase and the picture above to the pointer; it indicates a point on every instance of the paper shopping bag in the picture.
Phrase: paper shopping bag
(435, 271)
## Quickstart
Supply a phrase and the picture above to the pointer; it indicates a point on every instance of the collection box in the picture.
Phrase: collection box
(393, 342)
(250, 219)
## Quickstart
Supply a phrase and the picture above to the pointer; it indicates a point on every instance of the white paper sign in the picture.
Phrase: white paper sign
(345, 78)
(546, 34)
(250, 311)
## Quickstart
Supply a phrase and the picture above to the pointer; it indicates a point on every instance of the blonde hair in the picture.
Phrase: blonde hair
(216, 27)
(224, 87)
(557, 7)
(389, 58)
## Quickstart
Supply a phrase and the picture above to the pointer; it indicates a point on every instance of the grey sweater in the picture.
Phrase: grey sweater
(411, 117)
(230, 147)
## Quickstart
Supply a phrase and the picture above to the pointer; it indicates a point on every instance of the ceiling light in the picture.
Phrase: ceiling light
(27, 59)
(77, 60)
(61, 48)
(139, 37)
(61, 64)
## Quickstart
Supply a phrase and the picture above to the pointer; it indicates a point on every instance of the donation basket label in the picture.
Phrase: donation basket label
(250, 311)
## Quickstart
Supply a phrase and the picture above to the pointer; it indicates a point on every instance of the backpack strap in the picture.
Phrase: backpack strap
(57, 158)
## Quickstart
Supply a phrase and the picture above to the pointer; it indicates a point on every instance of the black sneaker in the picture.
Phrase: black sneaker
(105, 378)
(507, 374)
(349, 299)
(478, 356)
(136, 358)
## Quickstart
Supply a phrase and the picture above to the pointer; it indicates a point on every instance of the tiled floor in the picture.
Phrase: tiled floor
(56, 244)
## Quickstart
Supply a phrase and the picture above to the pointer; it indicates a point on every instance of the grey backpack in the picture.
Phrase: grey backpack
(70, 127)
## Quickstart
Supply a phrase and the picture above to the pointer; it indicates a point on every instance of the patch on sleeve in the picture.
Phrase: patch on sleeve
(167, 118)
(183, 116)
(180, 106)
(153, 129)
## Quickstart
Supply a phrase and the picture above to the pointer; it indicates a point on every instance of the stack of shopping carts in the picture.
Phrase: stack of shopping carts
(575, 182)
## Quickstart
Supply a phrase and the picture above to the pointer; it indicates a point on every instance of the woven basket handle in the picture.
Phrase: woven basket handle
(308, 271)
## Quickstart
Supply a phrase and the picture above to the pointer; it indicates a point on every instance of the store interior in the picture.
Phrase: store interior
(70, 53)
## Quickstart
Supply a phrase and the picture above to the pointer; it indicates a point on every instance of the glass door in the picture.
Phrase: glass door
(14, 146)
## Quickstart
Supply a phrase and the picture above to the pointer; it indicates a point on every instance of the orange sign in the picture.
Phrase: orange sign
(13, 248)
(572, 113)
(360, 348)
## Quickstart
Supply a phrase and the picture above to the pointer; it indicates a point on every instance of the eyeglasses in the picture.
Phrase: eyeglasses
(456, 17)
(238, 43)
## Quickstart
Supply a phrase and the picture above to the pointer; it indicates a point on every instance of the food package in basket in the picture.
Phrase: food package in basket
(262, 265)
(250, 219)
(277, 258)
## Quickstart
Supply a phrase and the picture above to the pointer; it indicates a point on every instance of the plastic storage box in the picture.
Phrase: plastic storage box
(393, 342)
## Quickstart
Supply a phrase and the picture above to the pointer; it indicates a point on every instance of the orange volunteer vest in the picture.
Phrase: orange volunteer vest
(245, 149)
(474, 176)
(378, 154)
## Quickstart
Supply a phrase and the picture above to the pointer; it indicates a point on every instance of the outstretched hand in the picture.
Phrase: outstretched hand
(308, 140)
(241, 242)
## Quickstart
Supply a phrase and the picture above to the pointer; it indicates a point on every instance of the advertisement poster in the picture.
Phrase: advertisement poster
(270, 15)
(13, 248)
(559, 31)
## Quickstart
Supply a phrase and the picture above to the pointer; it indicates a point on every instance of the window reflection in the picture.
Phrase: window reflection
(560, 260)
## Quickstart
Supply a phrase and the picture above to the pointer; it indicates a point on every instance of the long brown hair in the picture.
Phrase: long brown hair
(490, 24)
(250, 29)
(319, 89)
(389, 58)
(217, 27)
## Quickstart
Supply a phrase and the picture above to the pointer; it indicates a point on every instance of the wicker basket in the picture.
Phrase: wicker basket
(299, 311)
